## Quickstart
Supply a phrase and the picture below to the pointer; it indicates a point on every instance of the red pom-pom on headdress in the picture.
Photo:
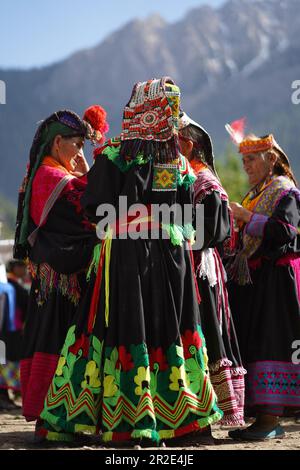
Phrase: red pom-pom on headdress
(96, 116)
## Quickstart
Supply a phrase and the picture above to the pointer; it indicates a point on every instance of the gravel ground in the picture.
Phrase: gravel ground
(16, 433)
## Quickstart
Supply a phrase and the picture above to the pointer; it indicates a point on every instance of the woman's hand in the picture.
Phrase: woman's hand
(240, 213)
(82, 166)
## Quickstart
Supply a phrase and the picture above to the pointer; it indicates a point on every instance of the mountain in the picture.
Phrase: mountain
(234, 61)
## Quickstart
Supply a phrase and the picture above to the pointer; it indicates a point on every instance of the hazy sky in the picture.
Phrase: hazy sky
(36, 32)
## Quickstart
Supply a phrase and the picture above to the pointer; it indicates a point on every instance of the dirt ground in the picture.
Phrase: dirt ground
(16, 433)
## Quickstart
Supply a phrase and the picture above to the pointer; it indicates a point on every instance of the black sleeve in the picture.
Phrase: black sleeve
(104, 186)
(282, 227)
(184, 199)
(67, 239)
(216, 220)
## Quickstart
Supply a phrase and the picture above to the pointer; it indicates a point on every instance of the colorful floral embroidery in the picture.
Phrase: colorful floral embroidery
(158, 358)
(125, 359)
(142, 379)
(60, 365)
(178, 378)
(110, 388)
(191, 342)
(135, 392)
(165, 177)
(81, 343)
(91, 376)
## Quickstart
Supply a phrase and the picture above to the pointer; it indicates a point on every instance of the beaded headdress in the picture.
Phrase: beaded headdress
(253, 144)
(150, 121)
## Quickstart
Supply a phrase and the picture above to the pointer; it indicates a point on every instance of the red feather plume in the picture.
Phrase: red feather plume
(236, 130)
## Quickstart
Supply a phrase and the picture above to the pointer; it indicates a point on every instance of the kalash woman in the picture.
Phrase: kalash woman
(134, 365)
(265, 286)
(225, 365)
(54, 234)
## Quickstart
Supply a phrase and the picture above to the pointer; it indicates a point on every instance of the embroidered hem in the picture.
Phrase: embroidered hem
(229, 385)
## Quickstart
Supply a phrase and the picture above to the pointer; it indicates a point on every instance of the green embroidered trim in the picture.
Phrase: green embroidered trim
(85, 428)
(182, 176)
(149, 433)
(157, 436)
(204, 422)
(115, 390)
(166, 434)
(113, 154)
(59, 436)
(107, 436)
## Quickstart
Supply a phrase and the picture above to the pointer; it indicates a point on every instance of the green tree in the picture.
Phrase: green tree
(7, 218)
(232, 175)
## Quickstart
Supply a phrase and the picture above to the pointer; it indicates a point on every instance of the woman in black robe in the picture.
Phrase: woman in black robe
(133, 365)
(265, 286)
(225, 365)
(53, 232)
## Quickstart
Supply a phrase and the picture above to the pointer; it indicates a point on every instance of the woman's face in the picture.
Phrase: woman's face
(257, 168)
(66, 151)
(186, 146)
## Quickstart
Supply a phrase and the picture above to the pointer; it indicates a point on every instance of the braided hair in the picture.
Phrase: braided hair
(202, 145)
(197, 137)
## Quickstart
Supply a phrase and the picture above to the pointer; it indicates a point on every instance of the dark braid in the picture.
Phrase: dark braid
(197, 137)
(202, 146)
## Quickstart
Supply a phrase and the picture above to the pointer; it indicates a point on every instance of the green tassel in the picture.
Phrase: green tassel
(148, 433)
(213, 418)
(188, 180)
(56, 436)
(95, 261)
(189, 233)
(175, 233)
(107, 436)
